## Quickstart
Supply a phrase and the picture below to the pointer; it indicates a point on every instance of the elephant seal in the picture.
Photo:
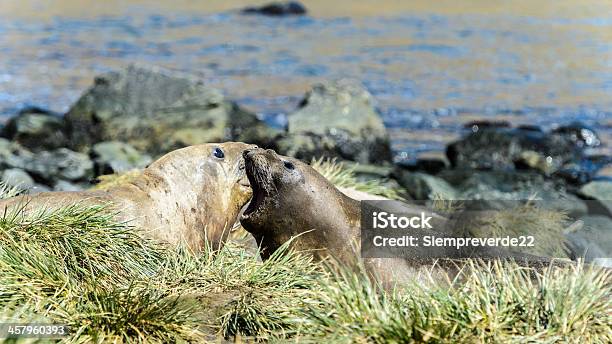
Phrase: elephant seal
(192, 195)
(292, 201)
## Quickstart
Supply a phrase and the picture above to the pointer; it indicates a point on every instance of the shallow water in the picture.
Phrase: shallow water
(432, 66)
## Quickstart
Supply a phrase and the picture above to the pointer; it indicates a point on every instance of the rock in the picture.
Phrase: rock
(13, 155)
(500, 148)
(495, 188)
(38, 188)
(422, 186)
(156, 111)
(63, 185)
(503, 148)
(290, 8)
(15, 177)
(116, 157)
(477, 125)
(580, 134)
(427, 162)
(60, 164)
(584, 170)
(533, 160)
(36, 129)
(601, 191)
(594, 240)
(337, 119)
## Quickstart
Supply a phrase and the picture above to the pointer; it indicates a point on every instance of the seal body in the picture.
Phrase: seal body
(192, 195)
(292, 201)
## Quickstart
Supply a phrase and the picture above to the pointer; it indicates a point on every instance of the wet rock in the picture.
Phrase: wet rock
(15, 177)
(337, 119)
(582, 171)
(116, 157)
(475, 126)
(428, 162)
(430, 165)
(157, 111)
(289, 8)
(61, 163)
(580, 134)
(500, 147)
(422, 186)
(37, 129)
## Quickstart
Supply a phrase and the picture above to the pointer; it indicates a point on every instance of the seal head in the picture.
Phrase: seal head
(291, 199)
(204, 187)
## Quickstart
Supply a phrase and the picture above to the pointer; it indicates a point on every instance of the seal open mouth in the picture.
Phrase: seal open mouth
(256, 201)
(258, 173)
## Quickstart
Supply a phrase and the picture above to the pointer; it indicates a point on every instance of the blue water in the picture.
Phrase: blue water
(430, 73)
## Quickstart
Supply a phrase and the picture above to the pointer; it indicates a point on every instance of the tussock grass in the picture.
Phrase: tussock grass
(78, 266)
(341, 176)
(496, 302)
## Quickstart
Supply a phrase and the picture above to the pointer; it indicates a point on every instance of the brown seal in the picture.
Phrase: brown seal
(292, 201)
(192, 195)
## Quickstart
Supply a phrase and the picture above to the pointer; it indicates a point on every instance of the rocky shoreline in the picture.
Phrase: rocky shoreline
(129, 117)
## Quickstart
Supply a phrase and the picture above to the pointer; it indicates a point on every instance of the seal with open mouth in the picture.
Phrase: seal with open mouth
(192, 195)
(289, 199)
(292, 200)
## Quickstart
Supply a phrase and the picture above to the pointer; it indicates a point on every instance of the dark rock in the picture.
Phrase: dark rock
(580, 134)
(290, 8)
(497, 187)
(429, 162)
(116, 157)
(584, 170)
(475, 126)
(503, 148)
(430, 166)
(422, 186)
(337, 119)
(61, 163)
(36, 129)
(15, 177)
(157, 111)
(530, 127)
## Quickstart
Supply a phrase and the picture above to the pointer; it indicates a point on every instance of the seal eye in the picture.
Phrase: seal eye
(288, 165)
(218, 153)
